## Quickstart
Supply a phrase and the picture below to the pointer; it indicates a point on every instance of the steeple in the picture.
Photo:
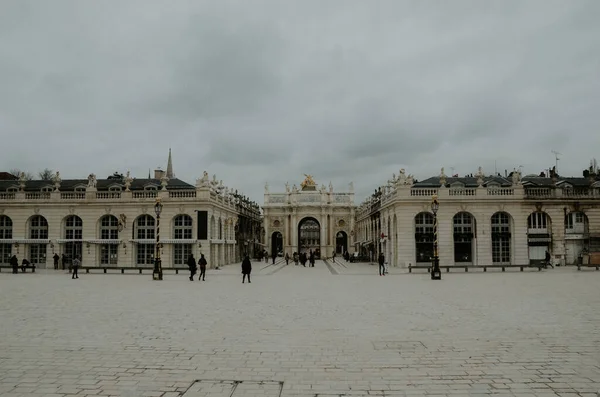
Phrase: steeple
(170, 167)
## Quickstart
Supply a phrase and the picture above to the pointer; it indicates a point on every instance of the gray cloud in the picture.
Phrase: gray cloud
(268, 90)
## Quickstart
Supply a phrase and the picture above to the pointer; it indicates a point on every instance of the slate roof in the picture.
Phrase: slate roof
(467, 181)
(527, 181)
(67, 185)
(7, 176)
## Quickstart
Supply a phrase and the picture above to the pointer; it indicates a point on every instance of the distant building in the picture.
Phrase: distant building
(481, 219)
(309, 218)
(112, 222)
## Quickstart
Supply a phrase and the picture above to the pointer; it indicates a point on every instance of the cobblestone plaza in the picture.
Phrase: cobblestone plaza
(336, 330)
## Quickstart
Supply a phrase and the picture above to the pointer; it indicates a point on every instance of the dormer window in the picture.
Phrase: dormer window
(457, 185)
(150, 187)
(80, 189)
(46, 189)
(114, 189)
(12, 189)
(493, 185)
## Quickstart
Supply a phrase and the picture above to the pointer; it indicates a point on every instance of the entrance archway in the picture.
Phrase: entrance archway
(276, 243)
(309, 236)
(341, 242)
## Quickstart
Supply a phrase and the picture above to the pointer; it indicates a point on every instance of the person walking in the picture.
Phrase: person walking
(333, 256)
(202, 262)
(246, 268)
(381, 261)
(191, 262)
(296, 258)
(287, 259)
(14, 262)
(311, 259)
(274, 256)
(56, 258)
(76, 264)
(63, 260)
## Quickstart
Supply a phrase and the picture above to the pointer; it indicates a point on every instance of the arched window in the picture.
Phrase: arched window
(501, 238)
(424, 237)
(38, 230)
(145, 230)
(73, 232)
(464, 230)
(538, 221)
(5, 234)
(182, 230)
(109, 230)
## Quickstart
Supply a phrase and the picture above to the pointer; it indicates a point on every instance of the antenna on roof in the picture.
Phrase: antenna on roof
(556, 154)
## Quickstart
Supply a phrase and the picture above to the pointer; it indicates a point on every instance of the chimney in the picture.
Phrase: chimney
(158, 174)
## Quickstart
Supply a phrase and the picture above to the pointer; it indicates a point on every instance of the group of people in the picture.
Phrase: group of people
(193, 269)
(14, 262)
(301, 258)
(246, 268)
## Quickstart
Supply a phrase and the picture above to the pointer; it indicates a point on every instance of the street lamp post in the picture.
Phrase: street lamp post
(436, 274)
(158, 273)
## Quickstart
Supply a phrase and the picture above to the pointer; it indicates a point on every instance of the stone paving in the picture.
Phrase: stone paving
(301, 332)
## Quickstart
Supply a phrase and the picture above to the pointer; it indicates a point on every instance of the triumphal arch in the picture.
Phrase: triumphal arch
(309, 218)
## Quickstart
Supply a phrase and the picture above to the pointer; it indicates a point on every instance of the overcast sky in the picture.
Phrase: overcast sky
(257, 91)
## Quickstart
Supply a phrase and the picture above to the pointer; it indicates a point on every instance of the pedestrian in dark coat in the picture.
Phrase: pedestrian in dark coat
(246, 269)
(56, 258)
(76, 264)
(381, 261)
(14, 262)
(191, 262)
(202, 262)
(63, 259)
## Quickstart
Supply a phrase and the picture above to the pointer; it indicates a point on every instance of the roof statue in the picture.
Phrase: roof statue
(308, 182)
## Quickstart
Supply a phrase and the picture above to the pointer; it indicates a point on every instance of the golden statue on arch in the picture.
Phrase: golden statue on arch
(308, 181)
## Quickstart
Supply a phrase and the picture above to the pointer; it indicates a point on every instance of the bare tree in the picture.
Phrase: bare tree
(17, 172)
(46, 175)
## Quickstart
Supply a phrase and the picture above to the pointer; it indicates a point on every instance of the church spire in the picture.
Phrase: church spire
(170, 174)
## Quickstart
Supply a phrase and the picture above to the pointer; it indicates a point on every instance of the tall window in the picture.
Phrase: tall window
(310, 234)
(73, 231)
(182, 231)
(144, 230)
(576, 223)
(6, 234)
(501, 237)
(38, 229)
(463, 237)
(109, 230)
(424, 236)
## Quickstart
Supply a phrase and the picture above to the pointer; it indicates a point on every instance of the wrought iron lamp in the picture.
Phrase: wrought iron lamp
(436, 274)
(157, 274)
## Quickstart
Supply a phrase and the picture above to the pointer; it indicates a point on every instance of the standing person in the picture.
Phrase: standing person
(287, 259)
(14, 262)
(381, 261)
(191, 262)
(76, 264)
(274, 256)
(64, 261)
(296, 258)
(333, 256)
(202, 262)
(56, 258)
(246, 268)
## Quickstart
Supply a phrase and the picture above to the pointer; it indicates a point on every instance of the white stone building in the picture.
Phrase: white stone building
(112, 222)
(481, 219)
(309, 218)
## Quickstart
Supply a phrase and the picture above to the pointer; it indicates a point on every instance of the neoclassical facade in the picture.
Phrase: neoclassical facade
(112, 222)
(309, 218)
(481, 219)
